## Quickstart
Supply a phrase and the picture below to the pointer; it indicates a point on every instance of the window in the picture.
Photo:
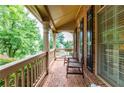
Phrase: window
(111, 44)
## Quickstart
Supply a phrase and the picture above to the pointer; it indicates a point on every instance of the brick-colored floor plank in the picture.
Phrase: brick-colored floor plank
(57, 77)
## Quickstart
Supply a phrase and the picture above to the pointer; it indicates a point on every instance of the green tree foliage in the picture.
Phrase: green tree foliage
(51, 39)
(68, 44)
(59, 40)
(19, 34)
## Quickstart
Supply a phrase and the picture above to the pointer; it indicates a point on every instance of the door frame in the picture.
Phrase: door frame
(90, 12)
(82, 30)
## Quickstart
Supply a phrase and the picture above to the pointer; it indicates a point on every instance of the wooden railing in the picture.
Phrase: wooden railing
(61, 52)
(31, 71)
(51, 55)
(26, 73)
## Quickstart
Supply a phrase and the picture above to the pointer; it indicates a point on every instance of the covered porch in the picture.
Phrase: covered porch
(47, 69)
(57, 77)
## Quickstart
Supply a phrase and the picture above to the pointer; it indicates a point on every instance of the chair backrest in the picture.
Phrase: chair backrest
(81, 60)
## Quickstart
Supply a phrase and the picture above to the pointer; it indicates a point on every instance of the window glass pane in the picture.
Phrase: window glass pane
(121, 36)
(111, 45)
(121, 64)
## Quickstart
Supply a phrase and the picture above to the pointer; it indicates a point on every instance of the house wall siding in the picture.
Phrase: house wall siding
(83, 14)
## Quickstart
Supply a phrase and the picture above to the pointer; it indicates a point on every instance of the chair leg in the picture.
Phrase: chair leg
(66, 72)
(83, 72)
(64, 61)
(67, 68)
(79, 69)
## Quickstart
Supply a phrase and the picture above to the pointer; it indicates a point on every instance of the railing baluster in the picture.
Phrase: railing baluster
(37, 69)
(41, 68)
(22, 77)
(16, 79)
(35, 77)
(6, 81)
(28, 78)
(32, 74)
(43, 65)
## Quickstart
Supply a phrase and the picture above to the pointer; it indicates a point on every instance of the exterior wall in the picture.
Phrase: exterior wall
(83, 14)
(97, 8)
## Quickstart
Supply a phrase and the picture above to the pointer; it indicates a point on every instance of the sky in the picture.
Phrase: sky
(68, 36)
(38, 23)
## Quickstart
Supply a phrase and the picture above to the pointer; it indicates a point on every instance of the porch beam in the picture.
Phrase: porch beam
(52, 21)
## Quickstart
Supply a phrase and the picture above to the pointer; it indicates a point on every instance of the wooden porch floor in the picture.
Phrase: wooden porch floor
(57, 77)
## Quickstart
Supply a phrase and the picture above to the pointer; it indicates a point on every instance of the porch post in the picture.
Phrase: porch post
(78, 44)
(46, 42)
(74, 44)
(54, 44)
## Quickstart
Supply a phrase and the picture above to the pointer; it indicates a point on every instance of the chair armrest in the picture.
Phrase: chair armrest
(73, 61)
(73, 58)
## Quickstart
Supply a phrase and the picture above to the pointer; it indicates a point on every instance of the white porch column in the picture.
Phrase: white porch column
(46, 42)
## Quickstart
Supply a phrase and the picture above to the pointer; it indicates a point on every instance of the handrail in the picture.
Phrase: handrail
(8, 68)
(28, 71)
(65, 49)
(52, 50)
(61, 52)
(35, 67)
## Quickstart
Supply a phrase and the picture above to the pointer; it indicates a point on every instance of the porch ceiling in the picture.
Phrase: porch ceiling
(63, 14)
(59, 15)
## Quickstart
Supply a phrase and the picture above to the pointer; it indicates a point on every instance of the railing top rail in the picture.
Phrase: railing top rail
(51, 50)
(64, 49)
(14, 66)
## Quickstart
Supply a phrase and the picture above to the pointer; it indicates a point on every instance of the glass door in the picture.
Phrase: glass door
(90, 39)
(111, 44)
(82, 39)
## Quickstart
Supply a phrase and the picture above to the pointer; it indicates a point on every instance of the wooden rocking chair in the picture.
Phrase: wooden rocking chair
(70, 58)
(76, 64)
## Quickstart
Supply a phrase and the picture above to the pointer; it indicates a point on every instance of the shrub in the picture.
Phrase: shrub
(4, 61)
